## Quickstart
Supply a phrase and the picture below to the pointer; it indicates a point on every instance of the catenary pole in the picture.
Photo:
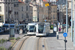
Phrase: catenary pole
(66, 16)
(74, 25)
(72, 20)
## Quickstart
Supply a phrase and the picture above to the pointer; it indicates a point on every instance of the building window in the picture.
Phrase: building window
(16, 5)
(14, 0)
(30, 20)
(17, 13)
(26, 1)
(14, 12)
(26, 7)
(6, 9)
(27, 15)
(0, 8)
(21, 0)
(22, 16)
(9, 0)
(22, 8)
(0, 17)
(34, 0)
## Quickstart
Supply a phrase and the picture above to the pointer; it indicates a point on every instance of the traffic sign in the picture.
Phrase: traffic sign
(65, 34)
(45, 20)
(58, 23)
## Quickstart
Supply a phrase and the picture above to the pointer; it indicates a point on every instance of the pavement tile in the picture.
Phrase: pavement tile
(54, 44)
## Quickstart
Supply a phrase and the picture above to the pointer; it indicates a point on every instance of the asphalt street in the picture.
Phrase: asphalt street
(49, 42)
(31, 43)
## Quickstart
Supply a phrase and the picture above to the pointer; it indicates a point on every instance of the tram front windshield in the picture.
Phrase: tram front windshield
(40, 28)
(31, 28)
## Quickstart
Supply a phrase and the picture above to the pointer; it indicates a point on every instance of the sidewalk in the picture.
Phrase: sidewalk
(69, 44)
(54, 44)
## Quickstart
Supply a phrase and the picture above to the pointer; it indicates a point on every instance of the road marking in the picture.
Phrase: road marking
(41, 44)
(46, 46)
(43, 48)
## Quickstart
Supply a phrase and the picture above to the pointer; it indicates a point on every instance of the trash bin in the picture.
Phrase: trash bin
(11, 31)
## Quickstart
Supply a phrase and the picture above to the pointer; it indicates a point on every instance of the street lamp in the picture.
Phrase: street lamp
(72, 20)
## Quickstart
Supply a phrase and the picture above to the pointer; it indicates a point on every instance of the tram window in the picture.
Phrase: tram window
(40, 28)
(32, 29)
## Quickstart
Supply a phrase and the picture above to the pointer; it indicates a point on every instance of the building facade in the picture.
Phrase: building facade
(16, 11)
(7, 10)
(69, 13)
(54, 13)
(41, 15)
(30, 13)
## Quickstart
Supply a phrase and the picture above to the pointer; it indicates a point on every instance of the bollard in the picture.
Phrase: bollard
(61, 28)
(57, 35)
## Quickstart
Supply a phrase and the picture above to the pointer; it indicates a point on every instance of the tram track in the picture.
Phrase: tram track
(41, 44)
(23, 43)
(20, 43)
(46, 47)
(37, 46)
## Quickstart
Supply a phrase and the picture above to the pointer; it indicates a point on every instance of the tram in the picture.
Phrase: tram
(31, 29)
(42, 29)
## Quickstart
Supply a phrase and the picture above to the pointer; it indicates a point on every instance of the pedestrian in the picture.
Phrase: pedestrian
(59, 29)
(21, 31)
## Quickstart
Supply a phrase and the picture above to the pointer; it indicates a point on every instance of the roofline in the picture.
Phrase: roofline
(20, 1)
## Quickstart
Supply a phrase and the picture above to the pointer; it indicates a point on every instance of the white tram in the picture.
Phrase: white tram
(42, 29)
(31, 29)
